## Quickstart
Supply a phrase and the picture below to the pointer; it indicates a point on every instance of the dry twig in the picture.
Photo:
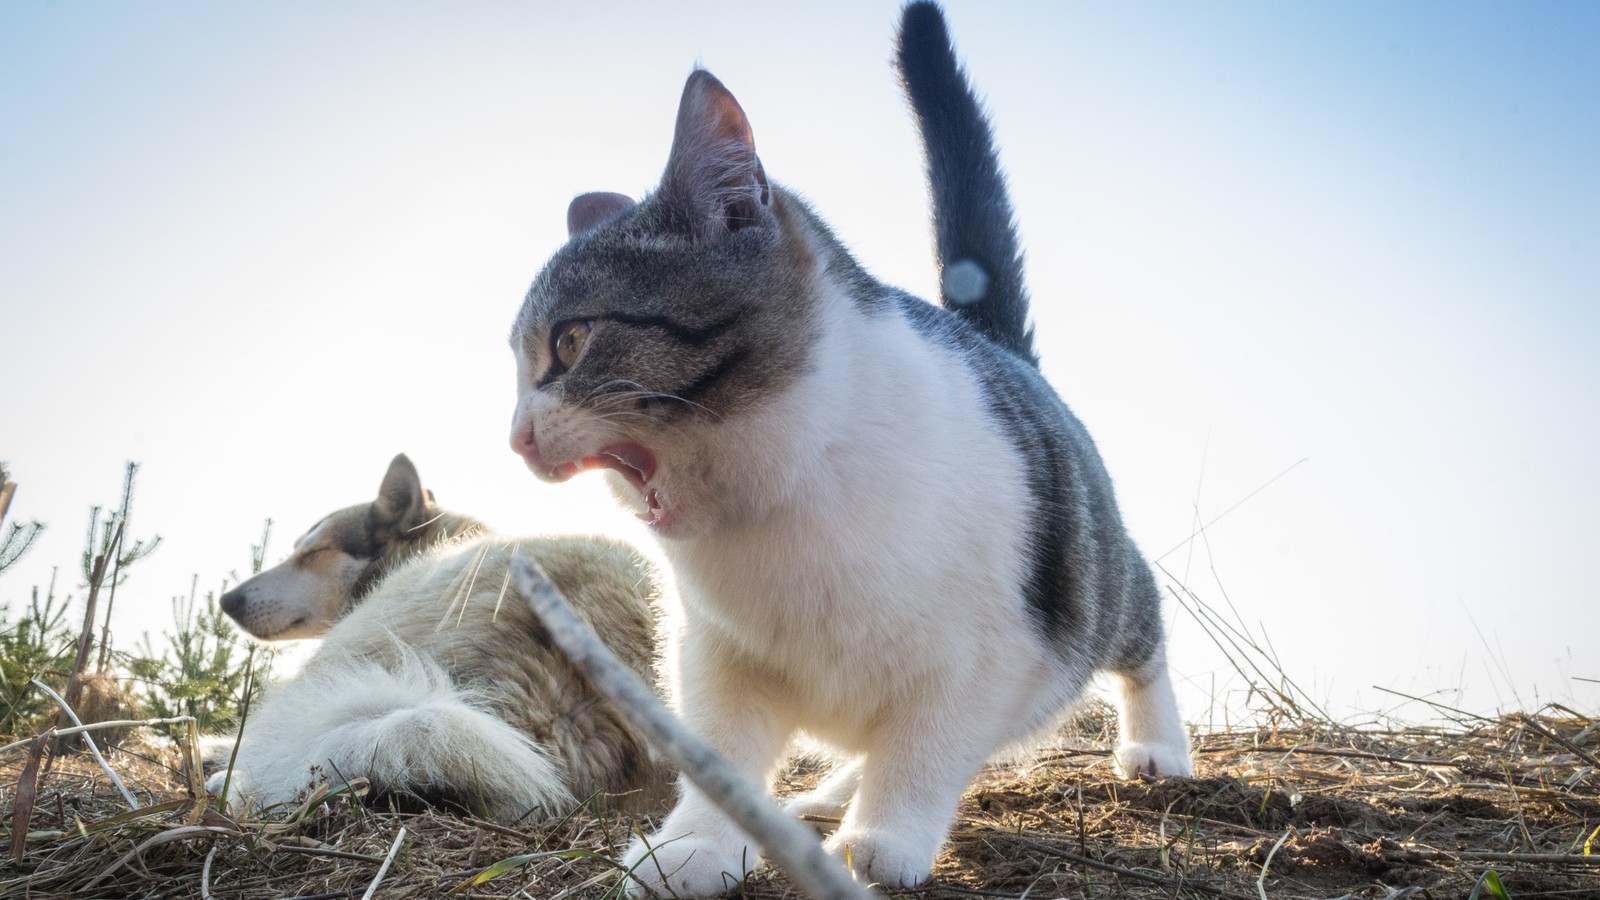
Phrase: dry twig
(89, 742)
(790, 844)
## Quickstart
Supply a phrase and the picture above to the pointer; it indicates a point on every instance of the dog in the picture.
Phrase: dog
(434, 681)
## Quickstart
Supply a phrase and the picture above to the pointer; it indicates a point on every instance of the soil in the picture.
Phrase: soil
(1314, 811)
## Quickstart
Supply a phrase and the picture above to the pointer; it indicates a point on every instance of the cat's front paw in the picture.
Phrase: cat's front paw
(1159, 760)
(877, 857)
(687, 866)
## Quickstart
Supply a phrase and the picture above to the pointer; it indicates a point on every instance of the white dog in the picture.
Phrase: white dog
(434, 679)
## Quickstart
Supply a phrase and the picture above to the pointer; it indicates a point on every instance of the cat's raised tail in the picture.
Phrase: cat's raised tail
(979, 256)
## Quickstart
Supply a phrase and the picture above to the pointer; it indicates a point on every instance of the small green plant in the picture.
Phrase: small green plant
(205, 669)
(104, 561)
(20, 535)
(202, 667)
(1489, 887)
(38, 643)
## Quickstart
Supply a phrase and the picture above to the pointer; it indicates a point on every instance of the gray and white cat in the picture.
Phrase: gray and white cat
(888, 532)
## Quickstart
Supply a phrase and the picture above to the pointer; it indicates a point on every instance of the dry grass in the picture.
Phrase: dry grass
(1326, 810)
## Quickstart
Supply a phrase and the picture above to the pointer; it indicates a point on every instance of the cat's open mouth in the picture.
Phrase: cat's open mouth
(632, 461)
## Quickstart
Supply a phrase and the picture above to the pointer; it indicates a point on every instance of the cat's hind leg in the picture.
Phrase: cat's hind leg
(1153, 738)
(831, 796)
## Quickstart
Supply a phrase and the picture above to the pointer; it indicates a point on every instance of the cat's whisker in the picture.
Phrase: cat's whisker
(638, 395)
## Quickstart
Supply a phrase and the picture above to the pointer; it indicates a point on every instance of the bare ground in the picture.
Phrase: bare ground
(1314, 811)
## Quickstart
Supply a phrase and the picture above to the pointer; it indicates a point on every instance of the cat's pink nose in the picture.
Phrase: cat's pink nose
(525, 445)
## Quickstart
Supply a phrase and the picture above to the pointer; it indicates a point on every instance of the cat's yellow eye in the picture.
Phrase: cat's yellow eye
(569, 340)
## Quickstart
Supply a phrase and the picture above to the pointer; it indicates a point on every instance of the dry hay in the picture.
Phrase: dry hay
(1328, 811)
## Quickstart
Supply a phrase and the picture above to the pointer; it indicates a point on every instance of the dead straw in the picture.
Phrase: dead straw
(1063, 826)
(100, 726)
(88, 742)
(383, 869)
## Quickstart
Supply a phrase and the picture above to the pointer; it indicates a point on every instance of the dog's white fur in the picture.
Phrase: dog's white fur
(439, 682)
(402, 723)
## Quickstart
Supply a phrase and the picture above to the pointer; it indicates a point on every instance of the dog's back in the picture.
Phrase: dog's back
(459, 610)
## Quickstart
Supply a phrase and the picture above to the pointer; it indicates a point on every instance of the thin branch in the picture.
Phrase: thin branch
(116, 572)
(1219, 517)
(1352, 754)
(8, 489)
(67, 711)
(1113, 868)
(387, 861)
(1577, 751)
(97, 575)
(792, 846)
(205, 874)
(328, 853)
(1414, 855)
(101, 726)
(1432, 703)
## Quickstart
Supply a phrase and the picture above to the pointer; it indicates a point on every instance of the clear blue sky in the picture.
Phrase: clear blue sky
(260, 248)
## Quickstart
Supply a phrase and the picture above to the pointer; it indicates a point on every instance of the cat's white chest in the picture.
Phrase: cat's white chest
(893, 564)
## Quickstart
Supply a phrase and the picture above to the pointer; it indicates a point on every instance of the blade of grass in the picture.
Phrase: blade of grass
(511, 863)
(181, 833)
(1489, 881)
(27, 793)
(1261, 882)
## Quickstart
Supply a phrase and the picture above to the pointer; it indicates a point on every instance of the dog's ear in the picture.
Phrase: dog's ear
(402, 501)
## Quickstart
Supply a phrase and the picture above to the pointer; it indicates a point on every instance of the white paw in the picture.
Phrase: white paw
(687, 866)
(1160, 760)
(880, 858)
(216, 780)
(217, 751)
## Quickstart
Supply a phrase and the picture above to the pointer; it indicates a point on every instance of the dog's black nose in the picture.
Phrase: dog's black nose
(233, 603)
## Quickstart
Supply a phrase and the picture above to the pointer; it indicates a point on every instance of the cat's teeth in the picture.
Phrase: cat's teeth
(652, 503)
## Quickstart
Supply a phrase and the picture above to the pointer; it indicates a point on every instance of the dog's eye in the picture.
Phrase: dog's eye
(566, 342)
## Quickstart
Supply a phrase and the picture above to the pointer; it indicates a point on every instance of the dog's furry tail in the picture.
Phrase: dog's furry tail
(979, 254)
(405, 728)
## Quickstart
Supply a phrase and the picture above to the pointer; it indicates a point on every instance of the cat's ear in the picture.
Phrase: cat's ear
(713, 175)
(588, 210)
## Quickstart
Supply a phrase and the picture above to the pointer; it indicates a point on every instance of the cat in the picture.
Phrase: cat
(888, 532)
